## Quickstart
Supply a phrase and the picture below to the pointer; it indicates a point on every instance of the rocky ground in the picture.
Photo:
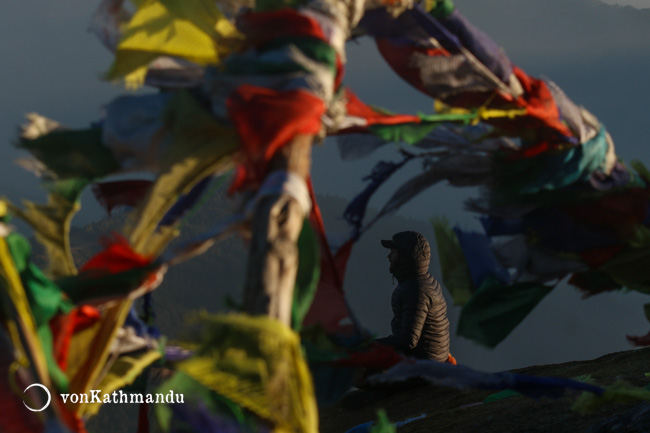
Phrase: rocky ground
(453, 411)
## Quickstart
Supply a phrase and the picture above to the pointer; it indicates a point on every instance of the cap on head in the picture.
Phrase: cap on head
(414, 253)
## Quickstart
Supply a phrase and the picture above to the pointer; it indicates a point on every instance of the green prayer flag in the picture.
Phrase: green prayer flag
(501, 395)
(46, 300)
(440, 8)
(495, 310)
(455, 271)
(69, 189)
(307, 276)
(271, 5)
(619, 392)
(628, 268)
(410, 133)
(413, 133)
(87, 287)
(45, 297)
(195, 393)
(73, 154)
(318, 51)
(646, 310)
(383, 425)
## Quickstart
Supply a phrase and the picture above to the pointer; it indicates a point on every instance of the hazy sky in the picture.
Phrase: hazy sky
(597, 53)
(641, 4)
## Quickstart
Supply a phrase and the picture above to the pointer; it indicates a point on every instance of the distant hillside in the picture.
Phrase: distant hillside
(562, 328)
(466, 412)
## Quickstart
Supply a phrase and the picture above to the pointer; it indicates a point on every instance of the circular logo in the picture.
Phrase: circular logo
(49, 397)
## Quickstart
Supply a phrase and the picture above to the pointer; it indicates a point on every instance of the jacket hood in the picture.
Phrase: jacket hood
(413, 255)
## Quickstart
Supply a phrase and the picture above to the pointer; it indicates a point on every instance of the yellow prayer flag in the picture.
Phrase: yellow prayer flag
(257, 363)
(194, 30)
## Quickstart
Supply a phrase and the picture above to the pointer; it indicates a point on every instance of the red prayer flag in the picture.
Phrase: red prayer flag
(121, 193)
(118, 256)
(263, 27)
(329, 308)
(64, 326)
(266, 120)
(378, 356)
(640, 341)
(356, 108)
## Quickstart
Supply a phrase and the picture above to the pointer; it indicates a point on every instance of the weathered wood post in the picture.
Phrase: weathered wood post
(276, 225)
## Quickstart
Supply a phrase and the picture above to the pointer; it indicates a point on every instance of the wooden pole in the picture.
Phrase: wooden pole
(273, 255)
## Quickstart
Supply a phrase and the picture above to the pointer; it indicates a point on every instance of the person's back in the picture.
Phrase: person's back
(420, 327)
